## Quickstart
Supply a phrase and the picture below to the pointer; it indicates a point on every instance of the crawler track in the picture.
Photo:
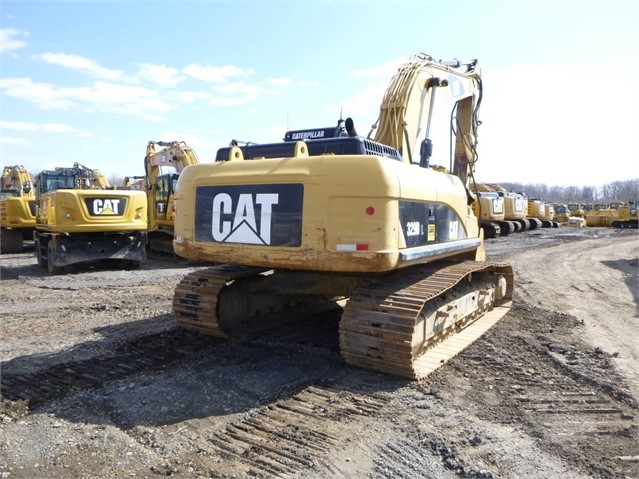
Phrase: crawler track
(196, 297)
(379, 326)
(293, 435)
(575, 410)
(129, 359)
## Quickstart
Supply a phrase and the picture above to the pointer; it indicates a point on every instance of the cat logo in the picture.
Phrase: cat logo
(244, 226)
(106, 206)
(261, 215)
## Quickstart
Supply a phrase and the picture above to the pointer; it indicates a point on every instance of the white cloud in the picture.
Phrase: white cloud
(280, 81)
(160, 74)
(18, 125)
(365, 103)
(86, 65)
(44, 127)
(13, 140)
(235, 94)
(190, 96)
(100, 96)
(215, 74)
(8, 42)
(57, 128)
(43, 95)
(311, 83)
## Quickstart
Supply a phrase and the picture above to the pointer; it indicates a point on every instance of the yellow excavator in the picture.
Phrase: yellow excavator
(600, 215)
(489, 209)
(330, 215)
(628, 216)
(17, 209)
(516, 209)
(163, 163)
(80, 218)
(577, 210)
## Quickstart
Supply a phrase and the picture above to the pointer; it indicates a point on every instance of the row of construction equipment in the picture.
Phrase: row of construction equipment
(502, 212)
(326, 215)
(119, 224)
(74, 215)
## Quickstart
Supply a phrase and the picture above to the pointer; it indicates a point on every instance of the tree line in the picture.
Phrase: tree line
(625, 190)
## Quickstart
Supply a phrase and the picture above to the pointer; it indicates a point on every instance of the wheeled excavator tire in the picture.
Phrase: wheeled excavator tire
(405, 324)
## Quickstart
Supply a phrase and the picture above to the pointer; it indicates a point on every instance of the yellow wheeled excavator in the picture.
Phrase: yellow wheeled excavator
(17, 209)
(81, 219)
(328, 215)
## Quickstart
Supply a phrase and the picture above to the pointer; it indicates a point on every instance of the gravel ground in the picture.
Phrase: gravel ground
(99, 382)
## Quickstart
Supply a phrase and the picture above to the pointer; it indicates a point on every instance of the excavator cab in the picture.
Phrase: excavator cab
(163, 192)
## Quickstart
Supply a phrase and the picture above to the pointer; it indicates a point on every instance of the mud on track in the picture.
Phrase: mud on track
(97, 381)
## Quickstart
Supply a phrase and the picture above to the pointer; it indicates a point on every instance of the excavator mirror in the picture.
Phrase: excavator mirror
(425, 152)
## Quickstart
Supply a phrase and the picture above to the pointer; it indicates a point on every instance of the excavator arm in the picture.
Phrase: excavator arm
(17, 178)
(406, 111)
(175, 154)
(163, 163)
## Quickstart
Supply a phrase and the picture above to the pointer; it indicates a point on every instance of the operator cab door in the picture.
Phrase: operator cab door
(163, 195)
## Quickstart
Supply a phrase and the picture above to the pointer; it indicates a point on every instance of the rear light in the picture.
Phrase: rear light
(352, 247)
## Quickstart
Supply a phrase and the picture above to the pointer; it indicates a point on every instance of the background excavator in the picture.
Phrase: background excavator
(628, 216)
(162, 169)
(332, 215)
(489, 209)
(515, 210)
(80, 219)
(17, 209)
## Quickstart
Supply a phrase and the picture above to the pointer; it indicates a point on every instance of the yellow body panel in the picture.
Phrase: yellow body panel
(66, 211)
(536, 209)
(489, 208)
(349, 201)
(16, 212)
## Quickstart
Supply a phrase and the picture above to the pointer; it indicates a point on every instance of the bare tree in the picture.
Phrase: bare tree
(116, 180)
(625, 190)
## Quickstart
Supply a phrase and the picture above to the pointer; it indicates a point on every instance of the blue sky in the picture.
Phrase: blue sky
(94, 81)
